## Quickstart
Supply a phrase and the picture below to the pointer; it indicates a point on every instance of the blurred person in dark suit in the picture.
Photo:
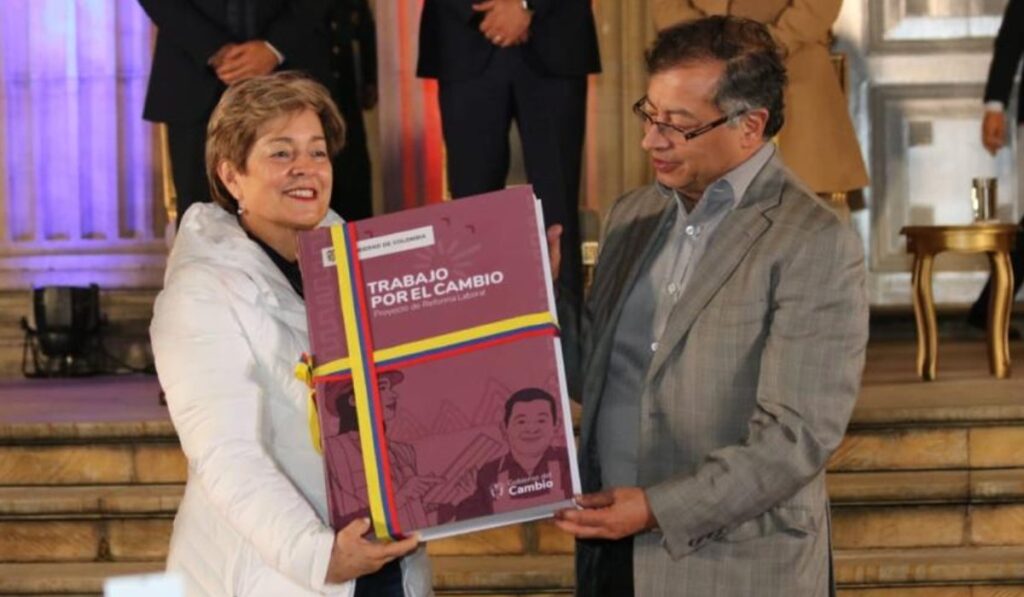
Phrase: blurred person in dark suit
(347, 65)
(202, 46)
(1006, 63)
(525, 60)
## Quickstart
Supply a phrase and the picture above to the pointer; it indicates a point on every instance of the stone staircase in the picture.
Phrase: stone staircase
(90, 483)
(927, 491)
(927, 488)
(90, 477)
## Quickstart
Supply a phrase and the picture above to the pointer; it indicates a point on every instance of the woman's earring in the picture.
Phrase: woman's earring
(241, 209)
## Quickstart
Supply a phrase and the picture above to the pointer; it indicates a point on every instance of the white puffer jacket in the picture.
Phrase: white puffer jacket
(227, 331)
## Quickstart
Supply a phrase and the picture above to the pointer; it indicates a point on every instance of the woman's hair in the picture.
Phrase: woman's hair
(247, 106)
(754, 77)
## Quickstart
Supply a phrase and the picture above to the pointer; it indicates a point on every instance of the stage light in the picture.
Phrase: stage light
(66, 339)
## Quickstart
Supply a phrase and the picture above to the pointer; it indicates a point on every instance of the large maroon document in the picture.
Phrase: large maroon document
(439, 382)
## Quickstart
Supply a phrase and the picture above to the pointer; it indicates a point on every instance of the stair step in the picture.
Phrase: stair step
(936, 591)
(937, 566)
(126, 406)
(63, 578)
(951, 402)
(91, 523)
(89, 500)
(927, 448)
(969, 423)
(928, 526)
(459, 575)
(94, 464)
(97, 540)
(503, 573)
(905, 487)
(977, 572)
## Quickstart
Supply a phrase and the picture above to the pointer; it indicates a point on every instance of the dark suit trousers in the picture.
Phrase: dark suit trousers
(604, 568)
(979, 310)
(187, 145)
(476, 115)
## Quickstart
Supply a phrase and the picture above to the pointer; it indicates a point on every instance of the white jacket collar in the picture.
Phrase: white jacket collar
(208, 234)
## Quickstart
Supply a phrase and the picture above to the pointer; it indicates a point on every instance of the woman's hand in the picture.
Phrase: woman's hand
(354, 556)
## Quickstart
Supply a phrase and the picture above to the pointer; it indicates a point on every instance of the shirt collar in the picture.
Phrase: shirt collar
(732, 184)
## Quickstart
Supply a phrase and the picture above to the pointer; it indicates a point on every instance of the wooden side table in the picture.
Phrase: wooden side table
(995, 240)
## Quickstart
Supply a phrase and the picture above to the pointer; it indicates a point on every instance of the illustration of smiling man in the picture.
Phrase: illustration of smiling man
(533, 472)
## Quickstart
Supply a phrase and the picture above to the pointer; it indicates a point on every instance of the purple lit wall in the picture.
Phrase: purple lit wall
(78, 200)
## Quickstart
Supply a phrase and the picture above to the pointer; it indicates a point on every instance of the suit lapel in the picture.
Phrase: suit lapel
(733, 238)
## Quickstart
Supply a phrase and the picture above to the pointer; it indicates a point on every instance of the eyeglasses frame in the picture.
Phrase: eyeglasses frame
(688, 135)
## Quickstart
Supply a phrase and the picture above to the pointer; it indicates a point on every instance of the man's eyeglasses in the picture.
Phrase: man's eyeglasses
(676, 133)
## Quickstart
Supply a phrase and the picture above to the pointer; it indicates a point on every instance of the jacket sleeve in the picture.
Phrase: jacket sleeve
(809, 378)
(289, 32)
(462, 9)
(212, 383)
(669, 12)
(366, 33)
(1009, 47)
(804, 22)
(187, 28)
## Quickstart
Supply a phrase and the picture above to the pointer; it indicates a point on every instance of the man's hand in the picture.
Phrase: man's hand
(506, 23)
(993, 131)
(611, 514)
(244, 61)
(218, 57)
(354, 556)
(554, 235)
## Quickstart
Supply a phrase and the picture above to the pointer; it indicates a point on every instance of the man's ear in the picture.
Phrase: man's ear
(229, 174)
(753, 124)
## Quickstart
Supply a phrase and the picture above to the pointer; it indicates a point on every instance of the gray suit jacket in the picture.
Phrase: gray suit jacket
(748, 394)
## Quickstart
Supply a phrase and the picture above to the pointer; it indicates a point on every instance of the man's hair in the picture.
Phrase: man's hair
(529, 395)
(245, 107)
(754, 76)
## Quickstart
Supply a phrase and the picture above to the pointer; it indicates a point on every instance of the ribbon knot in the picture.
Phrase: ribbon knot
(304, 373)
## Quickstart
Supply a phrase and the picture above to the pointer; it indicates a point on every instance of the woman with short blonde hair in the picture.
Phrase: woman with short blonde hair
(227, 329)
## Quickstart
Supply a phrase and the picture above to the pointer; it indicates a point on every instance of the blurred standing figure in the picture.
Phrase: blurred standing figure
(1006, 63)
(201, 47)
(525, 60)
(818, 142)
(351, 77)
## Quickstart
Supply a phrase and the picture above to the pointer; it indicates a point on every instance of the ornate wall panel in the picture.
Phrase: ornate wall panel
(933, 25)
(77, 195)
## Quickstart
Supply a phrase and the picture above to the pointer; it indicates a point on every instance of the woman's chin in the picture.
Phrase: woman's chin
(309, 219)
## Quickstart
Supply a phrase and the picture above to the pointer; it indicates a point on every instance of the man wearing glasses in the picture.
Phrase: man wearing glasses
(724, 343)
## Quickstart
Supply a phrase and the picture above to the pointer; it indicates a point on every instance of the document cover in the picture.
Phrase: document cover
(439, 387)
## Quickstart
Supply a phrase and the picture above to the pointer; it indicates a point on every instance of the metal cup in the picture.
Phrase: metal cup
(983, 199)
